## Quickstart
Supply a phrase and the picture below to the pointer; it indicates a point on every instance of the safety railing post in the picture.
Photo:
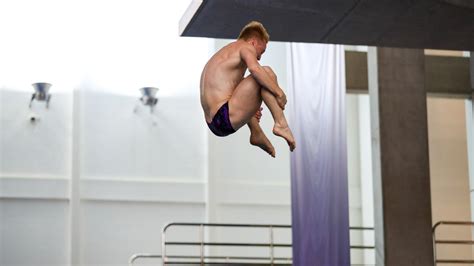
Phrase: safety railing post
(163, 246)
(434, 245)
(271, 246)
(202, 243)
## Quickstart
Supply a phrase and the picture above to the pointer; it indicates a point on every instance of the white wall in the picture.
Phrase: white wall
(35, 163)
(135, 177)
(448, 159)
(136, 171)
(450, 193)
(35, 149)
(33, 232)
(118, 143)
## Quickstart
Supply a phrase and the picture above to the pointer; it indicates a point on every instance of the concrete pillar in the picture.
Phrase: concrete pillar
(402, 201)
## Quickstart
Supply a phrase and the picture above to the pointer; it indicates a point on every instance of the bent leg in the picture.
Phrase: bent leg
(280, 128)
(244, 102)
(243, 106)
(258, 138)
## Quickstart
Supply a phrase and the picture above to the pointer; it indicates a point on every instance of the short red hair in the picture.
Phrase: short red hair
(254, 29)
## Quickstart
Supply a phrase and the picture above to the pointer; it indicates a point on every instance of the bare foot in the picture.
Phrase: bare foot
(285, 133)
(260, 140)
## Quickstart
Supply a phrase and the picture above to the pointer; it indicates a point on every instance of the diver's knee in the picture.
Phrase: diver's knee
(268, 69)
(270, 72)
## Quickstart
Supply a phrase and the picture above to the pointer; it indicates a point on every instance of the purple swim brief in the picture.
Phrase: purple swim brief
(220, 124)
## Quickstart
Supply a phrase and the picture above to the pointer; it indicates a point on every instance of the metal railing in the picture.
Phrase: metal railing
(204, 259)
(137, 256)
(228, 260)
(451, 242)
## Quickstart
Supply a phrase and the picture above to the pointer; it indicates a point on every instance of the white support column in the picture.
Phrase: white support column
(470, 135)
(376, 167)
(470, 148)
(74, 197)
(366, 179)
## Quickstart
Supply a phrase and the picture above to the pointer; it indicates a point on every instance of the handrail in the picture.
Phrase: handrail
(450, 242)
(147, 255)
(226, 225)
(201, 243)
(134, 257)
(232, 244)
(235, 244)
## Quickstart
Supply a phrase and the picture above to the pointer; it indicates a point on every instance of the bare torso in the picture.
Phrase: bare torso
(221, 75)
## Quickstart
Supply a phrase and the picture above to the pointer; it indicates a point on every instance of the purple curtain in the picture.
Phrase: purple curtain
(319, 185)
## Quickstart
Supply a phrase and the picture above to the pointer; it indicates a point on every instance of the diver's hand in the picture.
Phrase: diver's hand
(258, 115)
